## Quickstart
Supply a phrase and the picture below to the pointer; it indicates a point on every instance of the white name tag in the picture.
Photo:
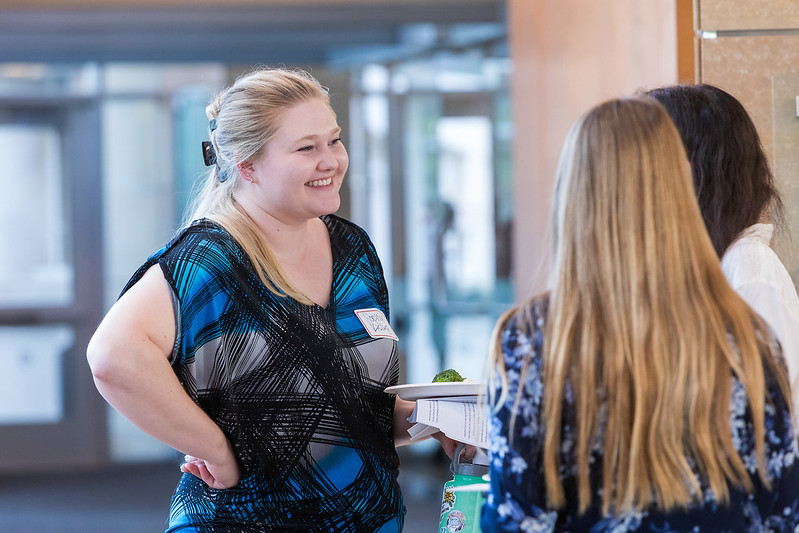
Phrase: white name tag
(375, 323)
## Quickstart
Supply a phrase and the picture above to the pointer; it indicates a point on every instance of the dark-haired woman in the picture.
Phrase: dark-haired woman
(740, 204)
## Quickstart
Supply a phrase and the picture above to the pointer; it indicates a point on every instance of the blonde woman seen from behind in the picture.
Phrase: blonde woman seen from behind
(639, 393)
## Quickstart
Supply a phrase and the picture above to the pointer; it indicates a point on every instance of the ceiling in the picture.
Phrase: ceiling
(332, 33)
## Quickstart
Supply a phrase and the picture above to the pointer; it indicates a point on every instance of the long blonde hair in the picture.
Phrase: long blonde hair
(242, 118)
(642, 322)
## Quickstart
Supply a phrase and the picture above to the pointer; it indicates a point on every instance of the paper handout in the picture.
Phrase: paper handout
(461, 419)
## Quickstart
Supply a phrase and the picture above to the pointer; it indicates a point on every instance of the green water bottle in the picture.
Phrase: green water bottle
(460, 509)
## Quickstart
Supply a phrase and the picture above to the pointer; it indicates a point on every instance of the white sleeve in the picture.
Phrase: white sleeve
(769, 302)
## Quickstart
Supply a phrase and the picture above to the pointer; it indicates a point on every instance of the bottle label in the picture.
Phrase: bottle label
(456, 521)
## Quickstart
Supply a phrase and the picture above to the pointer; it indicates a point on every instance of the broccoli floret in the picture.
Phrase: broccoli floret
(448, 375)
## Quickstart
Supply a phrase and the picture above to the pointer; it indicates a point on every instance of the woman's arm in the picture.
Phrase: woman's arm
(516, 500)
(128, 356)
(402, 410)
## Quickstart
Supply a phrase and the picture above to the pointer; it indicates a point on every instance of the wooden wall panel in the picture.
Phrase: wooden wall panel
(744, 65)
(569, 55)
(686, 42)
(719, 15)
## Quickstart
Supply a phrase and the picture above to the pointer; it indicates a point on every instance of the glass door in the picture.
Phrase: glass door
(430, 179)
(50, 283)
(457, 269)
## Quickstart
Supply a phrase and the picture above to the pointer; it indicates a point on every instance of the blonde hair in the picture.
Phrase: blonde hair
(242, 119)
(642, 322)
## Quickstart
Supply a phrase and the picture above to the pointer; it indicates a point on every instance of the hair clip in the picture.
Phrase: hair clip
(209, 154)
(212, 124)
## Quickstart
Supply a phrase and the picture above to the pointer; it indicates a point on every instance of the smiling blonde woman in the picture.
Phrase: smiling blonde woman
(240, 342)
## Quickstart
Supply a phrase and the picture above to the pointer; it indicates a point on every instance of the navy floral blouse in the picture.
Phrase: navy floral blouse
(517, 497)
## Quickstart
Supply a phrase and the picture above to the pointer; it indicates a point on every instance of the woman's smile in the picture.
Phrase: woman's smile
(320, 183)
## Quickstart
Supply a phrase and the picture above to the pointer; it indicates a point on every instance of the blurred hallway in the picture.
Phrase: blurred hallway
(135, 498)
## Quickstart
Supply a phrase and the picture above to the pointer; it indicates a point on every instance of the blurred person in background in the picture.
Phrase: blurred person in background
(257, 342)
(740, 204)
(640, 392)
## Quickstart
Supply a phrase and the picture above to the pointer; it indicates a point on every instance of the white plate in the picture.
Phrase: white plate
(415, 391)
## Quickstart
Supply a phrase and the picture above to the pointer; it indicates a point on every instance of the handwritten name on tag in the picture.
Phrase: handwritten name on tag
(375, 323)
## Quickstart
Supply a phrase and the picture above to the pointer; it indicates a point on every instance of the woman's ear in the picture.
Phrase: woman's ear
(245, 169)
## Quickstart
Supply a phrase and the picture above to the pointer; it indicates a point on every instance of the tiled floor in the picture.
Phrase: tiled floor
(135, 498)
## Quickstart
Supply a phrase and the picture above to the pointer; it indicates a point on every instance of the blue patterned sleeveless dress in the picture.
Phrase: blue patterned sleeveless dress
(298, 389)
